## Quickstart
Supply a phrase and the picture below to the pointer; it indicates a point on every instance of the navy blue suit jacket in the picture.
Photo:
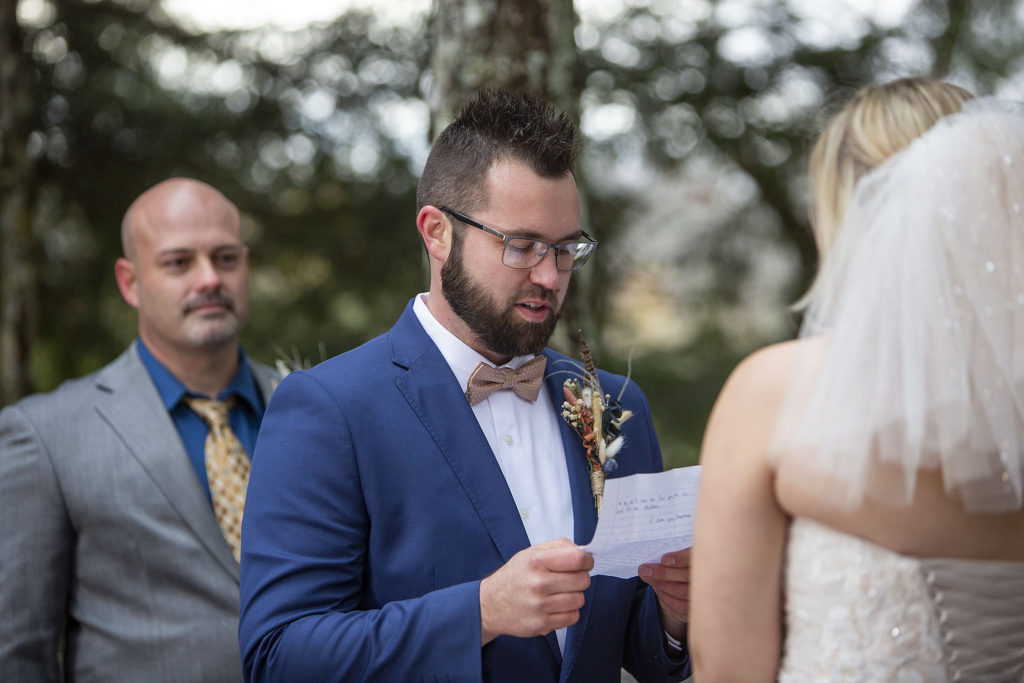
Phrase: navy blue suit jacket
(376, 506)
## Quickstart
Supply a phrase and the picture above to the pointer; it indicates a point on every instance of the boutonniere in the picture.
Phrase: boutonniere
(597, 418)
(286, 364)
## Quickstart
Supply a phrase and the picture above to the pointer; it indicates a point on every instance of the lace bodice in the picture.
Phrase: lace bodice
(858, 612)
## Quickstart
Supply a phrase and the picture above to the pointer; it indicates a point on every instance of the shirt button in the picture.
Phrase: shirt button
(508, 439)
(524, 513)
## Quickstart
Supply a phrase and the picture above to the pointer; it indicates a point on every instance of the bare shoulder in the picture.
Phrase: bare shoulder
(740, 531)
(747, 411)
(761, 378)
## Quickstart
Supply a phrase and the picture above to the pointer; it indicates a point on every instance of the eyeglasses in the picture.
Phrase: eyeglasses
(523, 252)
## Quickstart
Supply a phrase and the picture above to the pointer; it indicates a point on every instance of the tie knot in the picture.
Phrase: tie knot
(508, 377)
(525, 382)
(213, 412)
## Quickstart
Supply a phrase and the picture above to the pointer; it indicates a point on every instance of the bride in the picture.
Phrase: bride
(860, 509)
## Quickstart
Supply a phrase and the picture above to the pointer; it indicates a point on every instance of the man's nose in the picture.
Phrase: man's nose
(546, 273)
(209, 276)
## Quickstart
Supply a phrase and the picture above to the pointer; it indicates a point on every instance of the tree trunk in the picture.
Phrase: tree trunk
(523, 45)
(17, 171)
(945, 44)
(520, 45)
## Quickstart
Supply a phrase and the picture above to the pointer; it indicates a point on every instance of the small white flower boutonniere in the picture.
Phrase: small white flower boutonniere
(597, 418)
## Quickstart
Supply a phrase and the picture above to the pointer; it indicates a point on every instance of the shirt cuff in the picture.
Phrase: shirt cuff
(673, 646)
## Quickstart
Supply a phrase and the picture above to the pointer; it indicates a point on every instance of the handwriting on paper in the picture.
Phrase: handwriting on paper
(644, 516)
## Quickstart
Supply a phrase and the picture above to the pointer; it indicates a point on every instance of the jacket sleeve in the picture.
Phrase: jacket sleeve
(306, 611)
(36, 542)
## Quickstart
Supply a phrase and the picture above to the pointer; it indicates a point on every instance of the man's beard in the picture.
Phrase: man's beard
(499, 329)
(213, 330)
(213, 333)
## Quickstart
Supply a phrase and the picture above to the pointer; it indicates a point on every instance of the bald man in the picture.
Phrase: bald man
(117, 544)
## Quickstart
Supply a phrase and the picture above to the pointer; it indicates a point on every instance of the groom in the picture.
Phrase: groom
(406, 521)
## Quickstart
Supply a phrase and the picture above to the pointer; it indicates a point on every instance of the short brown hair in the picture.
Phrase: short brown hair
(494, 125)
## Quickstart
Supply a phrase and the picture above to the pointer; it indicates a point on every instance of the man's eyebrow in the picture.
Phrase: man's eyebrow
(184, 251)
(534, 235)
(175, 251)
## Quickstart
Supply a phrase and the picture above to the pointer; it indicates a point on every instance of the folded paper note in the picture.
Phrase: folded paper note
(643, 517)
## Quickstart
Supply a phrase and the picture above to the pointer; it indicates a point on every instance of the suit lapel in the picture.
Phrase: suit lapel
(583, 510)
(437, 399)
(129, 403)
(435, 396)
(267, 379)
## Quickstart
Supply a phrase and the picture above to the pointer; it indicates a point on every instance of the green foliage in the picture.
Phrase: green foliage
(288, 127)
(318, 135)
(728, 97)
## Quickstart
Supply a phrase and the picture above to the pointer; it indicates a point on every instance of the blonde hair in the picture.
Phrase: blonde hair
(877, 122)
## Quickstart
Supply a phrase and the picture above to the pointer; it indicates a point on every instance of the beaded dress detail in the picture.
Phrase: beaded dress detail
(858, 612)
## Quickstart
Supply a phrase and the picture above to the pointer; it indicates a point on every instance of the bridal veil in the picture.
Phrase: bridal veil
(915, 328)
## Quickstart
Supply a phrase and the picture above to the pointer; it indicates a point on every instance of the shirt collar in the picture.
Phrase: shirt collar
(170, 388)
(460, 357)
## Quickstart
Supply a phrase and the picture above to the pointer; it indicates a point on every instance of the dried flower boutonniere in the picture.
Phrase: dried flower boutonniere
(597, 418)
(286, 364)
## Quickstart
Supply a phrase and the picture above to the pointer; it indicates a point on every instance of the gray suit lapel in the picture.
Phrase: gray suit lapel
(267, 379)
(127, 400)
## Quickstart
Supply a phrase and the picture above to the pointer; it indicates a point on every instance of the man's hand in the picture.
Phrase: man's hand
(671, 582)
(539, 590)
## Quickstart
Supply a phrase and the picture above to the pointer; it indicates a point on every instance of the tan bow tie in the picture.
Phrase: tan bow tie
(525, 381)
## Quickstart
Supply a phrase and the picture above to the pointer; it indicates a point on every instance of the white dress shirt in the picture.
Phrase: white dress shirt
(524, 438)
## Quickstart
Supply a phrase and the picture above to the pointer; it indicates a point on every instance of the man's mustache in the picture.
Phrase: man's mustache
(220, 299)
(543, 293)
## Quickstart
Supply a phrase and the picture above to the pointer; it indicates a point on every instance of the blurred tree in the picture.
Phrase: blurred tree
(306, 131)
(723, 101)
(526, 46)
(696, 117)
(17, 192)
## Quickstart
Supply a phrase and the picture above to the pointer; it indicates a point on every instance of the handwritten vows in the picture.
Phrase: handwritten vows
(644, 516)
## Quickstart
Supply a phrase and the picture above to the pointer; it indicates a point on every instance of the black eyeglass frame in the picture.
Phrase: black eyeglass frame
(569, 248)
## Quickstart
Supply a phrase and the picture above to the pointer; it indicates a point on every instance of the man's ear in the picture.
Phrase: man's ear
(436, 231)
(127, 282)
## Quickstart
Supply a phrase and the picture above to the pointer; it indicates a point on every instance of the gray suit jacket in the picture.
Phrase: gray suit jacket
(110, 557)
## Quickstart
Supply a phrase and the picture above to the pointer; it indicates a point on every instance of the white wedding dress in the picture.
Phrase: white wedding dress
(915, 325)
(858, 612)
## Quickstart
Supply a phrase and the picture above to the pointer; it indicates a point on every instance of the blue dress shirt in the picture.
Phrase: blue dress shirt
(245, 416)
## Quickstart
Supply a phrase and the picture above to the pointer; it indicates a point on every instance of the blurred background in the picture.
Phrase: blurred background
(315, 117)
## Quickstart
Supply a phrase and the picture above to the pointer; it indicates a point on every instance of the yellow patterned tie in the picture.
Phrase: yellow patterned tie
(227, 467)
